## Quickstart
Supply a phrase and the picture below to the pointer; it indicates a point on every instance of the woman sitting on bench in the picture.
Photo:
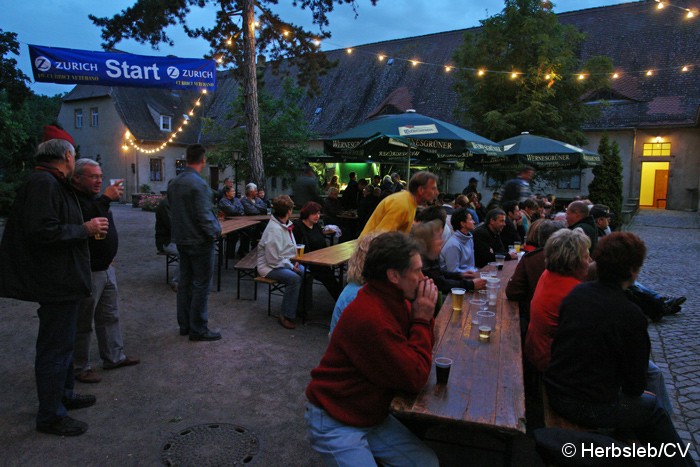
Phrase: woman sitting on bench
(275, 250)
(599, 358)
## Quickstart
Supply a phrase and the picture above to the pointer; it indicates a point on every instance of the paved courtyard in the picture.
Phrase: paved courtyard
(255, 376)
(671, 268)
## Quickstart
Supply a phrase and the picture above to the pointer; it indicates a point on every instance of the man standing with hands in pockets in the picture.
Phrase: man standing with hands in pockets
(195, 230)
(44, 258)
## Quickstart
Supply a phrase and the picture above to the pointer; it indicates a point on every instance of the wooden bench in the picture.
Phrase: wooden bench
(273, 288)
(170, 259)
(553, 420)
(246, 271)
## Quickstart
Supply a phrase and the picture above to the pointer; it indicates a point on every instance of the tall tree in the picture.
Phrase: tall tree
(234, 43)
(544, 97)
(284, 132)
(606, 187)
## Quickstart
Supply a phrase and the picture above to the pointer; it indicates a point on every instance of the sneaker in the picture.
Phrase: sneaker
(88, 376)
(127, 361)
(79, 401)
(65, 426)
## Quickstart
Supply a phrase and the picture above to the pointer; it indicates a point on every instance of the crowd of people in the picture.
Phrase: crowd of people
(583, 333)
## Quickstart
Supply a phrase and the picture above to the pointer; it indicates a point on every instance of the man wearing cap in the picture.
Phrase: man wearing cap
(601, 215)
(44, 258)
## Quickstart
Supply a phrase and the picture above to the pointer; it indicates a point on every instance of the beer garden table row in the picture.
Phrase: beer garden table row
(485, 388)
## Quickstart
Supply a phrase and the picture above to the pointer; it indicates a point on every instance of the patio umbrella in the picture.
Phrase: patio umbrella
(407, 136)
(545, 153)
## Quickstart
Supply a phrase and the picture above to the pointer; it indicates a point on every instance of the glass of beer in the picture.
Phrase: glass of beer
(516, 245)
(457, 299)
(300, 249)
(100, 236)
(485, 332)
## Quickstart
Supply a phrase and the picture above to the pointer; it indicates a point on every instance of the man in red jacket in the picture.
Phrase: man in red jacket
(382, 344)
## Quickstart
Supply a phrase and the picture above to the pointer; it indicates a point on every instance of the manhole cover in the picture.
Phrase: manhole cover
(213, 444)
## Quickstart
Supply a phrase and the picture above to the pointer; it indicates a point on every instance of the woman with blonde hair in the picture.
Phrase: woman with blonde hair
(355, 279)
(566, 266)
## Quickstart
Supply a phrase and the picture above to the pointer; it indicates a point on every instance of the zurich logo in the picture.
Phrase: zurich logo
(42, 63)
(173, 72)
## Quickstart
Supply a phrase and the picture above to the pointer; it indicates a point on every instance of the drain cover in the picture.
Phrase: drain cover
(212, 444)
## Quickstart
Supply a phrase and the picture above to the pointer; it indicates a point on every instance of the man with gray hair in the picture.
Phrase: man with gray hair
(252, 205)
(44, 258)
(578, 215)
(101, 306)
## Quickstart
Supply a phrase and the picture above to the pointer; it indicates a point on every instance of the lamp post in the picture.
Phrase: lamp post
(235, 156)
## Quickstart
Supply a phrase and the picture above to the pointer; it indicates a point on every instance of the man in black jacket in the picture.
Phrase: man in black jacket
(577, 216)
(487, 240)
(44, 258)
(102, 305)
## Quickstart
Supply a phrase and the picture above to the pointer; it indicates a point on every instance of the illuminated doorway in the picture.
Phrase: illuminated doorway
(654, 185)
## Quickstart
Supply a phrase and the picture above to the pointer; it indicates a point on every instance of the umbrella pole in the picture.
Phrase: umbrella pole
(408, 165)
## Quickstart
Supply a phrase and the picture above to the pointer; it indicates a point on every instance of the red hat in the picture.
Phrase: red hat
(54, 132)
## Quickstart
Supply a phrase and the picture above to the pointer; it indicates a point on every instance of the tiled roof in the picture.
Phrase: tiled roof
(636, 36)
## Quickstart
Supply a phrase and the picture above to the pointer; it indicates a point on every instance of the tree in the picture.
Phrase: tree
(234, 43)
(545, 96)
(22, 116)
(284, 132)
(606, 187)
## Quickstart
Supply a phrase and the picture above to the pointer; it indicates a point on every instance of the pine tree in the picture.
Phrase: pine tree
(260, 31)
(606, 187)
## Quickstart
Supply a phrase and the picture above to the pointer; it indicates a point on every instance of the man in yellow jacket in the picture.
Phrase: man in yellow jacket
(396, 212)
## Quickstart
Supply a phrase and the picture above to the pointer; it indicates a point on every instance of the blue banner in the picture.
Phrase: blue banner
(71, 66)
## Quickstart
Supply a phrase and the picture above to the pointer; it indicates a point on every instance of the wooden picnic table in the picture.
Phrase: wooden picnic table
(485, 388)
(228, 226)
(334, 256)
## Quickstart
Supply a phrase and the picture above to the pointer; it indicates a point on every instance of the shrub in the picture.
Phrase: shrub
(150, 202)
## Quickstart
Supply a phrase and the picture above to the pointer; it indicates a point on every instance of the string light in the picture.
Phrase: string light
(482, 71)
(661, 4)
(130, 141)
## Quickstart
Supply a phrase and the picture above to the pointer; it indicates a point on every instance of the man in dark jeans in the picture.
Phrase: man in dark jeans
(195, 230)
(44, 258)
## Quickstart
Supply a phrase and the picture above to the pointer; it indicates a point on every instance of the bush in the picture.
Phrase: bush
(150, 202)
(7, 196)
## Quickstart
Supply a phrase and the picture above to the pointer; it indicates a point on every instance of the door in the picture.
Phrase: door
(660, 188)
(654, 184)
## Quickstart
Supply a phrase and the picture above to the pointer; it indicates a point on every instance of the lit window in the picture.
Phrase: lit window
(166, 123)
(656, 149)
(94, 117)
(78, 120)
(156, 170)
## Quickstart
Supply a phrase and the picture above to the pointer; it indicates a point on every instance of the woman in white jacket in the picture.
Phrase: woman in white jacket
(275, 251)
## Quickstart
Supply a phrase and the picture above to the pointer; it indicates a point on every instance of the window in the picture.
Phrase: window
(656, 149)
(94, 117)
(78, 120)
(165, 123)
(572, 182)
(180, 165)
(156, 170)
